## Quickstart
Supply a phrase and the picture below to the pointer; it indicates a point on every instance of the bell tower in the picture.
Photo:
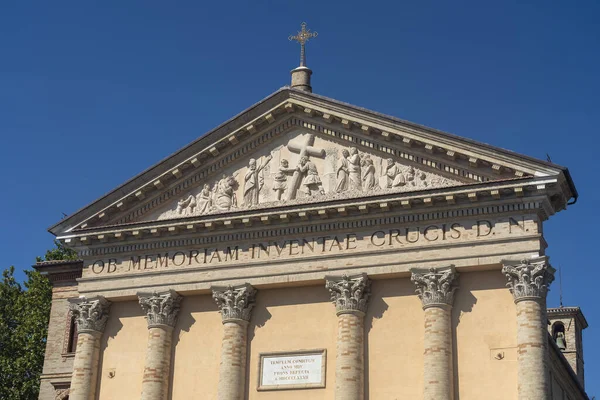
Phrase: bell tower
(566, 325)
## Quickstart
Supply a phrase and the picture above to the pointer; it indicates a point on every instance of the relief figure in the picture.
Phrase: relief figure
(280, 184)
(311, 183)
(204, 200)
(369, 181)
(354, 174)
(186, 206)
(392, 176)
(342, 173)
(254, 181)
(224, 194)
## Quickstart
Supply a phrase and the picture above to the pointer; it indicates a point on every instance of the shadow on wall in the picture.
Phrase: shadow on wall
(118, 311)
(185, 320)
(380, 289)
(275, 298)
(464, 302)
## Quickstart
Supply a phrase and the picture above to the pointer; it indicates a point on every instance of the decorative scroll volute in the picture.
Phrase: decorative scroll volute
(161, 308)
(350, 294)
(435, 286)
(528, 279)
(235, 302)
(90, 314)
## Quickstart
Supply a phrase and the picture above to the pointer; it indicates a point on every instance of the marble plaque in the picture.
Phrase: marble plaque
(292, 370)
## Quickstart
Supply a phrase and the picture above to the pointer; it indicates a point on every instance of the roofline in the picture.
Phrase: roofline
(292, 92)
(167, 158)
(448, 135)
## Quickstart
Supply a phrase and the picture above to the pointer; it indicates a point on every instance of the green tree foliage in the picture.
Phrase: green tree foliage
(24, 313)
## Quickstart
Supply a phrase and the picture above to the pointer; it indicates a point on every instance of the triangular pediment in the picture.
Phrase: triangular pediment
(351, 153)
(302, 166)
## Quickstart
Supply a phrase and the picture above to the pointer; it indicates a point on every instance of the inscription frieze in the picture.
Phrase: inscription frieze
(393, 237)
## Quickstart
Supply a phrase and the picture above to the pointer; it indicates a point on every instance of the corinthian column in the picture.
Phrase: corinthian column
(90, 315)
(161, 313)
(435, 288)
(235, 303)
(350, 294)
(528, 281)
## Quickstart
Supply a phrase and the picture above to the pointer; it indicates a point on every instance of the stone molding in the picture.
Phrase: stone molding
(161, 308)
(435, 286)
(235, 302)
(528, 279)
(350, 294)
(90, 314)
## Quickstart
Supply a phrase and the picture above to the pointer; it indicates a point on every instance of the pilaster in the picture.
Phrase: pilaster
(235, 304)
(435, 287)
(528, 281)
(161, 310)
(90, 315)
(350, 294)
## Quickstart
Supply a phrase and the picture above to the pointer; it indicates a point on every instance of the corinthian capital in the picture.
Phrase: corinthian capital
(435, 286)
(90, 314)
(350, 294)
(161, 308)
(528, 279)
(235, 302)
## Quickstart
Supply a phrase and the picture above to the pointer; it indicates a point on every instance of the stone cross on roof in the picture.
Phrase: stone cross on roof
(302, 37)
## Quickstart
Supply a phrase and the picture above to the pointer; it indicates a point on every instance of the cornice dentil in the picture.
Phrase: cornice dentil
(350, 294)
(435, 286)
(528, 279)
(90, 314)
(161, 308)
(235, 302)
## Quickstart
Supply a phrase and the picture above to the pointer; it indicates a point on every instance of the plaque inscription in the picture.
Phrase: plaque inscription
(292, 370)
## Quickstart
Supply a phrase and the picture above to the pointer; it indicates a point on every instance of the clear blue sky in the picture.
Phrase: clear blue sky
(92, 93)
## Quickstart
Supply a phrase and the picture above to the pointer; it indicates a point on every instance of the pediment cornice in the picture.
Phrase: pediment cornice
(448, 156)
(531, 195)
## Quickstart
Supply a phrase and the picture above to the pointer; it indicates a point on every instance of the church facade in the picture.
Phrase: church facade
(311, 249)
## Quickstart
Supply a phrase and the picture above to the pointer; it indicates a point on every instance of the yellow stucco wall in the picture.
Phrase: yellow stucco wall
(290, 319)
(485, 325)
(123, 349)
(197, 348)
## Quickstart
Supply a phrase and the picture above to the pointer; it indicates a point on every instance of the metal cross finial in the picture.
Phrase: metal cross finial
(302, 37)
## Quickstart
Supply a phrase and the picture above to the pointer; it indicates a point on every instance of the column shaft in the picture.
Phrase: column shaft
(532, 350)
(232, 370)
(437, 356)
(528, 281)
(85, 366)
(155, 383)
(349, 363)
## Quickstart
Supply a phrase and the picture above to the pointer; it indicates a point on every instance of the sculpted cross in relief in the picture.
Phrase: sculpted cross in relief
(304, 147)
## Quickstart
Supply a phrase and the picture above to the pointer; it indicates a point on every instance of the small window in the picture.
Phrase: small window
(72, 341)
(558, 334)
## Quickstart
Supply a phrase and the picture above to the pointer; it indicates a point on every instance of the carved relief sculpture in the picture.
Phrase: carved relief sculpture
(354, 171)
(187, 205)
(435, 286)
(342, 173)
(350, 294)
(254, 181)
(302, 145)
(224, 194)
(90, 314)
(369, 181)
(160, 308)
(391, 175)
(280, 179)
(204, 200)
(528, 279)
(235, 302)
(311, 183)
